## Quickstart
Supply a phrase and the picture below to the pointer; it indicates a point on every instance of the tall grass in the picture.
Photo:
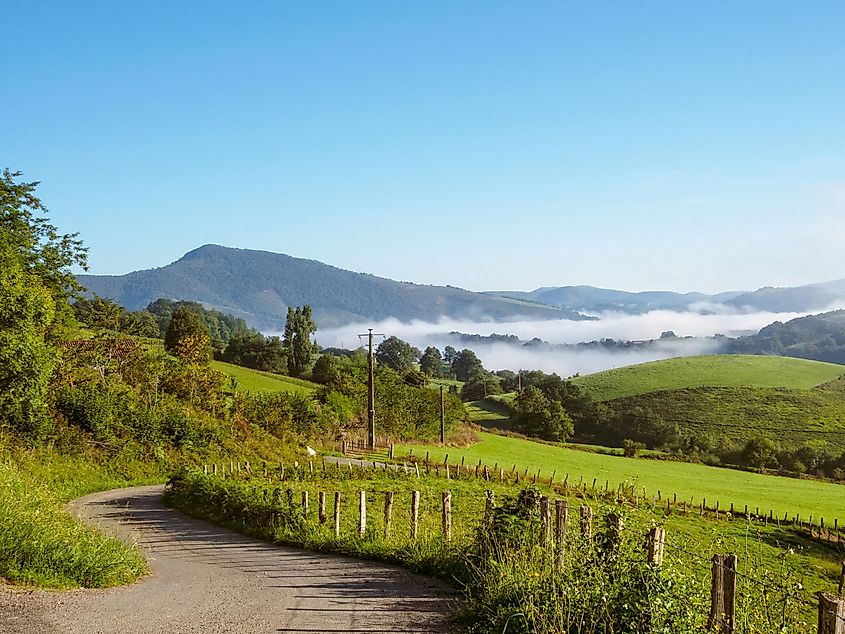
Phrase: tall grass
(42, 544)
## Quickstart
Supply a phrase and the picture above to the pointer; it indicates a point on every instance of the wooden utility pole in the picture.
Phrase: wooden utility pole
(442, 417)
(371, 390)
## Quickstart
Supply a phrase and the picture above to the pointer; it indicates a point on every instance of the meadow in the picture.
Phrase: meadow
(709, 371)
(256, 381)
(691, 482)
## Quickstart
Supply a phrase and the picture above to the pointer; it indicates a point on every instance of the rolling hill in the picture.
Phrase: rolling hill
(259, 286)
(709, 371)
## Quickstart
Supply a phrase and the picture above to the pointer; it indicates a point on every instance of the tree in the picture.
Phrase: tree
(41, 252)
(297, 342)
(431, 362)
(449, 354)
(466, 365)
(540, 417)
(480, 386)
(187, 337)
(397, 354)
(760, 452)
(35, 284)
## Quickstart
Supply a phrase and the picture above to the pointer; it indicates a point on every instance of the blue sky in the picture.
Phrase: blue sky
(634, 145)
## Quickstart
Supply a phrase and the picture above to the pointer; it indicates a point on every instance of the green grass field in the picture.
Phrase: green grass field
(488, 412)
(255, 381)
(709, 371)
(691, 482)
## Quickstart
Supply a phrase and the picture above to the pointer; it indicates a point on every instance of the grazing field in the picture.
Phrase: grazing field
(256, 381)
(488, 413)
(691, 482)
(737, 414)
(709, 371)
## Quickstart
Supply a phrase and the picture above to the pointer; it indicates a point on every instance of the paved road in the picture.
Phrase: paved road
(209, 580)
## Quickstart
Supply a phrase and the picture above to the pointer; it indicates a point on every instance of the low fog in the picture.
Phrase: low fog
(566, 362)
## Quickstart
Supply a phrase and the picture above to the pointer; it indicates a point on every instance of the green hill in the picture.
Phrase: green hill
(709, 371)
(256, 381)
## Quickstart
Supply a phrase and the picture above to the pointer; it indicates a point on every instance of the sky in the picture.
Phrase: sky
(487, 145)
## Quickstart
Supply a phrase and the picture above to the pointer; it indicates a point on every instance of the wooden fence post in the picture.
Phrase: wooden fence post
(415, 514)
(723, 594)
(305, 503)
(447, 516)
(337, 513)
(264, 468)
(561, 519)
(586, 522)
(391, 451)
(831, 614)
(205, 469)
(489, 500)
(546, 520)
(656, 544)
(214, 469)
(362, 513)
(388, 512)
(321, 506)
(841, 580)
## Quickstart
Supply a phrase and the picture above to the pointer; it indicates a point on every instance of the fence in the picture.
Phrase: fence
(554, 522)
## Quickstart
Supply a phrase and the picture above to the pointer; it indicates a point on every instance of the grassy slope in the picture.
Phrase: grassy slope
(739, 413)
(488, 412)
(256, 381)
(690, 481)
(710, 370)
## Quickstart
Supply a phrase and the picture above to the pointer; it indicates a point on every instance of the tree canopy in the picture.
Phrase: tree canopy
(397, 354)
(297, 342)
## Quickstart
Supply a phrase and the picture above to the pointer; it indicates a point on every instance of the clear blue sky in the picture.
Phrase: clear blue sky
(680, 145)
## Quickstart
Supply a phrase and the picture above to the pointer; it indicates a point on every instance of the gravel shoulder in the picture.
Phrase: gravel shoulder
(206, 579)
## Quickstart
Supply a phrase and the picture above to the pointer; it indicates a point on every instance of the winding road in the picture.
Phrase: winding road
(208, 580)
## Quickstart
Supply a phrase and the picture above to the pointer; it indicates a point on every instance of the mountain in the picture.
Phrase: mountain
(819, 337)
(592, 299)
(589, 299)
(259, 286)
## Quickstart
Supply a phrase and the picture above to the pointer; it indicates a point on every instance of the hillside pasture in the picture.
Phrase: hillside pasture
(691, 482)
(709, 371)
(255, 381)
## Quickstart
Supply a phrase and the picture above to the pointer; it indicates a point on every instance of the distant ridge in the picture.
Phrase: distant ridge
(259, 286)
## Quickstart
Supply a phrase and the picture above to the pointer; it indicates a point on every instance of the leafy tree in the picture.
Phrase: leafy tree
(326, 368)
(540, 417)
(35, 284)
(297, 342)
(760, 452)
(466, 365)
(253, 350)
(480, 386)
(187, 337)
(431, 362)
(395, 353)
(41, 252)
(449, 354)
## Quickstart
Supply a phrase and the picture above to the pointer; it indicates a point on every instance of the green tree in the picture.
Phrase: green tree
(760, 452)
(540, 417)
(395, 353)
(466, 365)
(297, 342)
(187, 337)
(431, 362)
(35, 284)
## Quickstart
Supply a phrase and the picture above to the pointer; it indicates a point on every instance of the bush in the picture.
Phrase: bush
(632, 448)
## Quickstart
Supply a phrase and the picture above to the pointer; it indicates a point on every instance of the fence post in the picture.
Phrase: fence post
(337, 513)
(723, 594)
(586, 522)
(388, 512)
(391, 451)
(264, 468)
(214, 469)
(561, 519)
(656, 544)
(362, 513)
(488, 507)
(447, 516)
(415, 514)
(305, 503)
(841, 580)
(546, 520)
(831, 614)
(321, 506)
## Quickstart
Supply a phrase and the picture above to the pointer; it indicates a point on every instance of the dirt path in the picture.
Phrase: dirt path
(210, 580)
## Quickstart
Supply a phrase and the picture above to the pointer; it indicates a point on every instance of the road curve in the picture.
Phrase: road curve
(209, 580)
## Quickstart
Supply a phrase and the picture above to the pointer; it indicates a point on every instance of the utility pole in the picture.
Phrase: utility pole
(442, 417)
(519, 380)
(371, 391)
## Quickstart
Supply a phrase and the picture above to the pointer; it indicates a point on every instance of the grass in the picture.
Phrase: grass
(769, 554)
(691, 482)
(256, 381)
(791, 417)
(709, 371)
(488, 413)
(42, 544)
